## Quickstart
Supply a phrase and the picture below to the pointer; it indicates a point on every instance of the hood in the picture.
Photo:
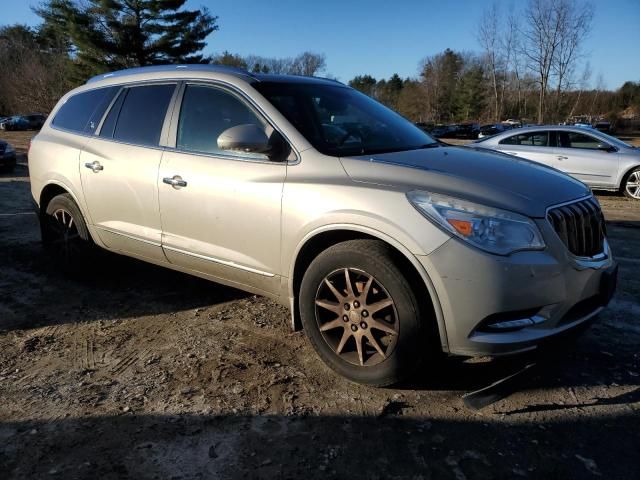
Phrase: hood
(489, 178)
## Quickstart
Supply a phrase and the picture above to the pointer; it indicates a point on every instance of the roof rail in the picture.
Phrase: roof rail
(196, 67)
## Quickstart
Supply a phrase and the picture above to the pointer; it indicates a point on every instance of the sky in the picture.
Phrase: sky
(383, 37)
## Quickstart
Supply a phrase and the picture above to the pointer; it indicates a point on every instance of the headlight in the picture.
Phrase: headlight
(490, 229)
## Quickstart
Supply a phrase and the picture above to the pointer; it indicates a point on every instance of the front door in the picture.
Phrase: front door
(220, 210)
(119, 171)
(581, 156)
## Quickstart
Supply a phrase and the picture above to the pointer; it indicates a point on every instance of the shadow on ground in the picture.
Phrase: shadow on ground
(159, 446)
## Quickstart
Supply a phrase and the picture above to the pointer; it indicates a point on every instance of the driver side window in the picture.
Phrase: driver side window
(577, 140)
(205, 113)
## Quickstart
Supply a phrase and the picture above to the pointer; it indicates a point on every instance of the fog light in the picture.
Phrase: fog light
(517, 324)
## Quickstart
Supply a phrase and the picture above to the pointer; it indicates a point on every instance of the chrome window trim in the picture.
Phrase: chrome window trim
(124, 85)
(176, 101)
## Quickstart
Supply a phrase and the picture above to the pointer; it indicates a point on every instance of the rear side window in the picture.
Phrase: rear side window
(577, 140)
(138, 115)
(82, 112)
(530, 139)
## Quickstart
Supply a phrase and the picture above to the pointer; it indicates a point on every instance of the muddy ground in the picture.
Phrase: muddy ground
(140, 372)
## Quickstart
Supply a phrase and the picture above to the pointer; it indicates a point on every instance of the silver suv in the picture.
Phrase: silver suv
(385, 244)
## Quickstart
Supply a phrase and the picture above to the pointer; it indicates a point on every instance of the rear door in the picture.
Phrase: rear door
(223, 219)
(119, 171)
(534, 146)
(579, 154)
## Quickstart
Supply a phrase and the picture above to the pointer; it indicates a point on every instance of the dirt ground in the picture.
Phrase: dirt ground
(140, 372)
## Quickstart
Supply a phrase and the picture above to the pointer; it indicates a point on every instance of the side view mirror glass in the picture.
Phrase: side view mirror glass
(248, 138)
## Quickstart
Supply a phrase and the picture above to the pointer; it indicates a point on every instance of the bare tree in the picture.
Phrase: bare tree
(308, 64)
(513, 62)
(583, 85)
(553, 35)
(542, 37)
(576, 23)
(39, 76)
(489, 39)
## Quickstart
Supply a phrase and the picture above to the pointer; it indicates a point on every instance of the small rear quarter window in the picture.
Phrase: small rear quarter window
(83, 111)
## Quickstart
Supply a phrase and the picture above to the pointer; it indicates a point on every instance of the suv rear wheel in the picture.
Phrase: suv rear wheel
(360, 313)
(65, 234)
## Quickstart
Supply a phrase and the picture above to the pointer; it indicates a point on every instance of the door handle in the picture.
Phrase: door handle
(562, 157)
(176, 181)
(512, 153)
(94, 166)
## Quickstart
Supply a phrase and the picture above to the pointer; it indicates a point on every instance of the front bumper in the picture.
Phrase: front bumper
(545, 292)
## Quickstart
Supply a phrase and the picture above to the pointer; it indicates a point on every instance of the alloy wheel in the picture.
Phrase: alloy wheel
(633, 185)
(357, 317)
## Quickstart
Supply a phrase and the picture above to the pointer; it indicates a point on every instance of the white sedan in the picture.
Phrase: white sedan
(601, 161)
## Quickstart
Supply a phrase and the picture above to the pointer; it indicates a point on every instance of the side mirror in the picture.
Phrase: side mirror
(605, 147)
(248, 138)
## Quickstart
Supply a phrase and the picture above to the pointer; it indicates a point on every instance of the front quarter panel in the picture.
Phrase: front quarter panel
(319, 196)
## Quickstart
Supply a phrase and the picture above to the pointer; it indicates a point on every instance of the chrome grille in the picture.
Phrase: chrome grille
(580, 226)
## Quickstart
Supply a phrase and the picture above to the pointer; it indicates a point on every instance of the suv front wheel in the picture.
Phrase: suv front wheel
(361, 314)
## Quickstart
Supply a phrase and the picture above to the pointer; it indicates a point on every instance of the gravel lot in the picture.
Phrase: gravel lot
(140, 372)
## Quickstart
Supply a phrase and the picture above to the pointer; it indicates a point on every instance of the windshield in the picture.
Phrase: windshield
(340, 121)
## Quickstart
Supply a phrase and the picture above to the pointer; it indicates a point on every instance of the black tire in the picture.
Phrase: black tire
(365, 259)
(68, 242)
(635, 176)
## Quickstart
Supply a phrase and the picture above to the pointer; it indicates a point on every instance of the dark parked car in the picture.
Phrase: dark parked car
(493, 129)
(36, 120)
(17, 122)
(603, 126)
(7, 157)
(33, 121)
(445, 131)
(425, 126)
(468, 130)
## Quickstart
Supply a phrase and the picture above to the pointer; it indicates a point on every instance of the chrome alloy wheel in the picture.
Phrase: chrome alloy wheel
(357, 317)
(632, 186)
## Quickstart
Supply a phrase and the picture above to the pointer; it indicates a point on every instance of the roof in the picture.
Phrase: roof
(209, 68)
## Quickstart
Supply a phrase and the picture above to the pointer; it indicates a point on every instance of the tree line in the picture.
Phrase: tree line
(530, 65)
(530, 61)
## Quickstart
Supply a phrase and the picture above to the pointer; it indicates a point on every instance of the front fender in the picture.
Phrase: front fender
(405, 250)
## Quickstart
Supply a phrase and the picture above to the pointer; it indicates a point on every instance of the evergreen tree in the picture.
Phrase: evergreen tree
(364, 83)
(113, 34)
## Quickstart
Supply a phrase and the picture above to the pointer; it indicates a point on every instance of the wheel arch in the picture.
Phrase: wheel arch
(52, 190)
(316, 242)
